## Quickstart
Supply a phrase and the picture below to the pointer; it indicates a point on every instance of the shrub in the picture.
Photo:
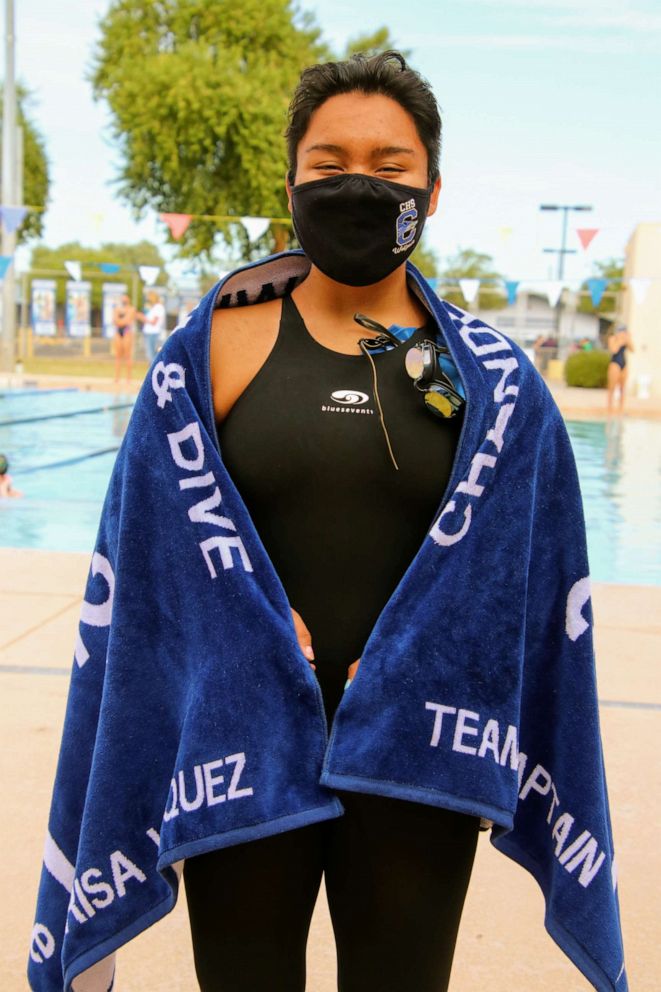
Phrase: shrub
(588, 369)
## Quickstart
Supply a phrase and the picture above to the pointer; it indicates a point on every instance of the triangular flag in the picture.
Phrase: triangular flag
(505, 233)
(74, 269)
(553, 291)
(5, 262)
(597, 287)
(511, 285)
(109, 268)
(12, 217)
(255, 226)
(469, 288)
(149, 273)
(639, 287)
(586, 235)
(178, 223)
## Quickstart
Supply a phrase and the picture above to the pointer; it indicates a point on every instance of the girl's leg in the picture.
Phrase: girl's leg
(623, 386)
(611, 383)
(396, 877)
(250, 908)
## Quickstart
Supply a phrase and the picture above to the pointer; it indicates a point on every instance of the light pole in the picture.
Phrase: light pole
(9, 192)
(561, 251)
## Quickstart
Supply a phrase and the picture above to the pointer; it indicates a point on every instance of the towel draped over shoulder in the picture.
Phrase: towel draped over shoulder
(194, 722)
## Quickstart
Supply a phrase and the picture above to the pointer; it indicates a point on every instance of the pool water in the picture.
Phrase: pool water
(62, 465)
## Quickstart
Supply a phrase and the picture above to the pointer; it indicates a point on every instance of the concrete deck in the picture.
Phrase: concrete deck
(574, 402)
(502, 944)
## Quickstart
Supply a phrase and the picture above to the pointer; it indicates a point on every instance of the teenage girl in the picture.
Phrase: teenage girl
(618, 342)
(123, 317)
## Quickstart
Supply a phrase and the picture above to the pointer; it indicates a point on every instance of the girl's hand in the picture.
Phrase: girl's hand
(304, 636)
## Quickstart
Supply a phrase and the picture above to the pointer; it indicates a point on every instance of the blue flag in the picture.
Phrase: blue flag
(511, 286)
(597, 287)
(12, 217)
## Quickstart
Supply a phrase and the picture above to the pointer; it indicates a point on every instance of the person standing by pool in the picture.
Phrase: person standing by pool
(618, 342)
(124, 321)
(153, 323)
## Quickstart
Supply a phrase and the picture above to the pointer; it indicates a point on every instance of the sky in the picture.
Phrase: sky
(543, 101)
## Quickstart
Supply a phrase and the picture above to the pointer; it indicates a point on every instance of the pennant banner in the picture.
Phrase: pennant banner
(12, 217)
(74, 269)
(469, 288)
(78, 309)
(639, 287)
(178, 223)
(597, 289)
(149, 273)
(109, 268)
(553, 291)
(505, 233)
(586, 236)
(255, 226)
(5, 262)
(511, 285)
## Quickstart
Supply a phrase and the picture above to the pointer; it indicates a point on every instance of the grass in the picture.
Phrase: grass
(85, 367)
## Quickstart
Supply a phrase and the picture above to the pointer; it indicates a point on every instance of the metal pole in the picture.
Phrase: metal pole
(563, 248)
(7, 341)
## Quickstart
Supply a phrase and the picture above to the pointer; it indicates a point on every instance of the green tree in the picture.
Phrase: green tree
(611, 269)
(198, 94)
(467, 263)
(130, 257)
(425, 259)
(373, 43)
(36, 179)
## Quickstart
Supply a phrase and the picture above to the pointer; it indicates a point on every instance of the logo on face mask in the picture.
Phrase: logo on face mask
(407, 223)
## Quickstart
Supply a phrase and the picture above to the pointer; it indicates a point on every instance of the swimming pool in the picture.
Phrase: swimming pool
(63, 464)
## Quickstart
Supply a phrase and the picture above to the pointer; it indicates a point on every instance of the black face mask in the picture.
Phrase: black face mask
(357, 229)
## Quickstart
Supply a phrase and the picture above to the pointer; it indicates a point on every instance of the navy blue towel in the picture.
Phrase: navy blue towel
(194, 722)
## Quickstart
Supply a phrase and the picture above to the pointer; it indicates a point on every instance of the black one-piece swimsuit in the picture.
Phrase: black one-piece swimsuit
(305, 446)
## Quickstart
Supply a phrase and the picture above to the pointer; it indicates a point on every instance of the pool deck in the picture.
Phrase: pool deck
(502, 944)
(573, 402)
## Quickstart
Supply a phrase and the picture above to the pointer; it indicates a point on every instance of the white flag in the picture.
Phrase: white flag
(149, 273)
(469, 288)
(74, 269)
(256, 226)
(554, 291)
(639, 287)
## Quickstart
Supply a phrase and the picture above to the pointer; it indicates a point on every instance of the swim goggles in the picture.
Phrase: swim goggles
(423, 366)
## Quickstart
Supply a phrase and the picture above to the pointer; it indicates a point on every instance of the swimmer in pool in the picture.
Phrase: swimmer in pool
(7, 490)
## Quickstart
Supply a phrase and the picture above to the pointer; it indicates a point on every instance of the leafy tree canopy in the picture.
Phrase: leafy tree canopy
(130, 257)
(36, 179)
(198, 92)
(467, 263)
(373, 43)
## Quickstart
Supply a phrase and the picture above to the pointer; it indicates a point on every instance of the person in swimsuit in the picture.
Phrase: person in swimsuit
(618, 342)
(123, 318)
(7, 490)
(342, 483)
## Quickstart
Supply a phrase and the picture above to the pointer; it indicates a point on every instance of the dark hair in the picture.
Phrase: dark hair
(386, 73)
(4, 464)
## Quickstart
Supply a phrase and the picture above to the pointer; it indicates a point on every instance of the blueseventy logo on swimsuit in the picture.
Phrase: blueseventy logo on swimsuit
(351, 400)
(406, 226)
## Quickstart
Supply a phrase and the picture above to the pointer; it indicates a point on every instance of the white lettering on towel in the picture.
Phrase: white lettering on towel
(482, 341)
(461, 729)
